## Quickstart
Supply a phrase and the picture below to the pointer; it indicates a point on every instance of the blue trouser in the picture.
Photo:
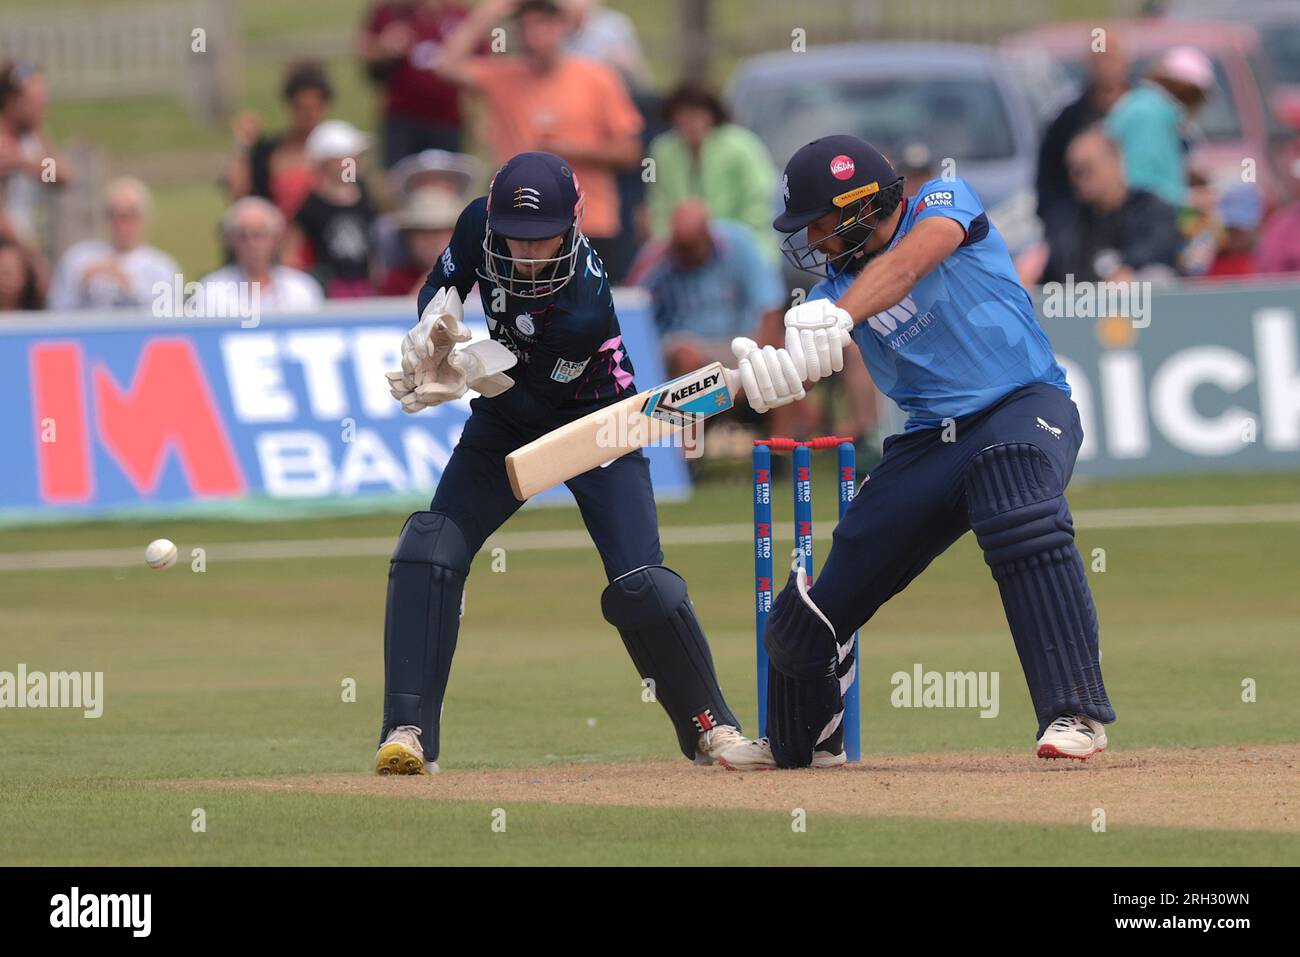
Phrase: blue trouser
(924, 495)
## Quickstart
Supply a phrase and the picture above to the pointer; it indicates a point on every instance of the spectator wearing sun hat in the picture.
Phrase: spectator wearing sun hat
(455, 174)
(426, 221)
(332, 228)
(1151, 123)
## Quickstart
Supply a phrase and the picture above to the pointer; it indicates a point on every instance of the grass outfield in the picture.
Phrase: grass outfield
(220, 680)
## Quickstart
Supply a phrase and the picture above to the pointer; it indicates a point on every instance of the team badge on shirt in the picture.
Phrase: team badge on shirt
(940, 197)
(567, 371)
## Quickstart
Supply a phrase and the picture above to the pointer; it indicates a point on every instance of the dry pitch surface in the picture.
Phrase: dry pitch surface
(1232, 788)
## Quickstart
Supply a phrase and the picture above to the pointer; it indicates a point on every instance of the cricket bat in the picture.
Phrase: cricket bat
(620, 428)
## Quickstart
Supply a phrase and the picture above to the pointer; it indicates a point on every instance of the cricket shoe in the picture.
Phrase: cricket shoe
(401, 753)
(757, 756)
(1072, 736)
(715, 741)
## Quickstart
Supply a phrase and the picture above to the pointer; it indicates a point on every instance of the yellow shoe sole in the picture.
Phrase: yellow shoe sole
(398, 759)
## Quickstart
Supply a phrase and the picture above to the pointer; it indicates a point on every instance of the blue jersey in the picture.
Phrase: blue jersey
(967, 334)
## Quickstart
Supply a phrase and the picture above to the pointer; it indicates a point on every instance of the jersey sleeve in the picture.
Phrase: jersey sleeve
(459, 263)
(955, 200)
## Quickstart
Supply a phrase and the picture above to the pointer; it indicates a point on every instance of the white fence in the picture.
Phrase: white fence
(111, 51)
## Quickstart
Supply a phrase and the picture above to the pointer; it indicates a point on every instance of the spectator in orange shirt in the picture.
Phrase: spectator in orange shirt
(547, 99)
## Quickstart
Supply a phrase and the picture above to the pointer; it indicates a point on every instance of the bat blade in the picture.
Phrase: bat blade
(621, 427)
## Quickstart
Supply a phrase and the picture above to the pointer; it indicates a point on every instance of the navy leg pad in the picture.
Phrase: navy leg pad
(798, 642)
(426, 582)
(799, 711)
(654, 616)
(1022, 522)
(803, 688)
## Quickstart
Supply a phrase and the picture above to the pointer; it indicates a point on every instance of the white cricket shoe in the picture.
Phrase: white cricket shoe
(757, 756)
(715, 741)
(401, 753)
(1072, 736)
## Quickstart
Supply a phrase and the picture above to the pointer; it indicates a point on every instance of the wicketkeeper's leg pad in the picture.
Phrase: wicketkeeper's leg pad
(426, 584)
(805, 703)
(1018, 512)
(653, 613)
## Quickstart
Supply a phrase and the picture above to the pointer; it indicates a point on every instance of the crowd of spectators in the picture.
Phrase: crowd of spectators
(1120, 200)
(677, 198)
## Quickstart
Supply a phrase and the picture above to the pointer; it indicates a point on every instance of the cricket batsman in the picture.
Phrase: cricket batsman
(551, 316)
(927, 290)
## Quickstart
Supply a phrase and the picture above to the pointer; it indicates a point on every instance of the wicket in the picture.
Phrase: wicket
(801, 454)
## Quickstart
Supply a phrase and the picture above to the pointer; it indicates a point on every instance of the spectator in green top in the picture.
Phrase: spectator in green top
(704, 155)
(1150, 122)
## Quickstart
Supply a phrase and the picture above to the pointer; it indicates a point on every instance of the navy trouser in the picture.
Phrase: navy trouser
(914, 504)
(617, 502)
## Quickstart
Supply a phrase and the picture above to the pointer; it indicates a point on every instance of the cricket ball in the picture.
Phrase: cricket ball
(160, 554)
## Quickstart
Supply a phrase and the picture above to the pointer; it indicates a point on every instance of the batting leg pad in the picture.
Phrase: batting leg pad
(805, 696)
(1022, 522)
(653, 613)
(426, 583)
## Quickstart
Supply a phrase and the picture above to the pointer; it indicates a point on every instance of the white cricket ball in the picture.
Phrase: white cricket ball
(161, 553)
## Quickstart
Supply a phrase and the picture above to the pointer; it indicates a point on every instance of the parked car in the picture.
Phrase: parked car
(970, 104)
(1237, 121)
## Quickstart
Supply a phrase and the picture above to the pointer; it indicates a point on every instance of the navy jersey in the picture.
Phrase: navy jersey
(571, 354)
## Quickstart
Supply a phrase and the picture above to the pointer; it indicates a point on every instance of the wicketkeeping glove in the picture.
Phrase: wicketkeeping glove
(434, 371)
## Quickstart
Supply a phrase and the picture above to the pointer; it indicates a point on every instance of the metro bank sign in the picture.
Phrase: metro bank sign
(108, 414)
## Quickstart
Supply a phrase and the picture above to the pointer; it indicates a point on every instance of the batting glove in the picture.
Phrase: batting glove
(767, 374)
(816, 333)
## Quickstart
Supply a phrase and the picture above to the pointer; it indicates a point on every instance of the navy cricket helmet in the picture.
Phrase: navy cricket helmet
(833, 173)
(534, 196)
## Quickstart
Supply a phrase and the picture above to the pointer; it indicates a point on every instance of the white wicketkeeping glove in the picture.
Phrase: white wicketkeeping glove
(767, 374)
(484, 364)
(816, 333)
(432, 372)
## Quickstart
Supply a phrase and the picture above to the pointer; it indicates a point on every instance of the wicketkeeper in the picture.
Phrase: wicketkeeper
(548, 306)
(927, 290)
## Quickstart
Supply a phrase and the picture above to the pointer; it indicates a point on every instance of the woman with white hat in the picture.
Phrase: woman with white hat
(332, 228)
